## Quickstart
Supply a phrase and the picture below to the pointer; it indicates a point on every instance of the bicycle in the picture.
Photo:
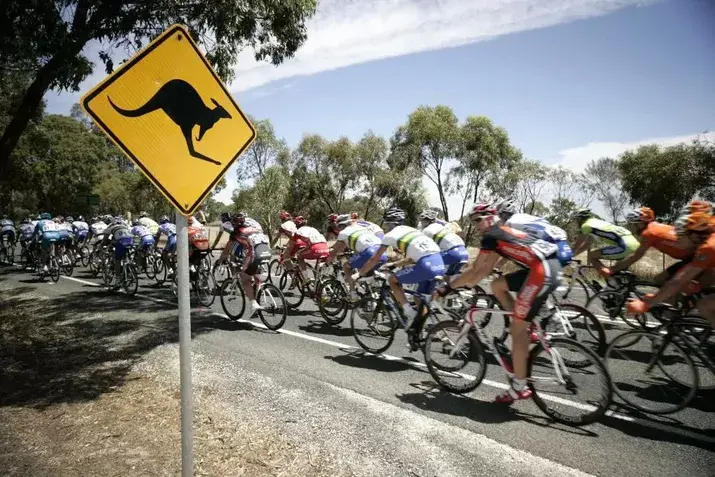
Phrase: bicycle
(471, 345)
(268, 296)
(7, 251)
(658, 388)
(378, 309)
(275, 267)
(332, 294)
(612, 301)
(163, 262)
(66, 260)
(129, 278)
(294, 285)
(201, 281)
(53, 267)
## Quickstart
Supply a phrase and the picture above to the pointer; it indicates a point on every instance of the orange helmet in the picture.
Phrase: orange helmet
(698, 222)
(697, 206)
(643, 215)
(354, 215)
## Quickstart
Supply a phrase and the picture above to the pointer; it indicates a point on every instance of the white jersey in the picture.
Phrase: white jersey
(98, 228)
(148, 223)
(537, 227)
(289, 228)
(374, 228)
(227, 227)
(65, 226)
(34, 224)
(197, 223)
(79, 225)
(253, 224)
(443, 235)
(411, 242)
(310, 235)
(358, 238)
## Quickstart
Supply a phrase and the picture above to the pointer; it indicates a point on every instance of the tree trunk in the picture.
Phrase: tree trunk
(368, 205)
(442, 199)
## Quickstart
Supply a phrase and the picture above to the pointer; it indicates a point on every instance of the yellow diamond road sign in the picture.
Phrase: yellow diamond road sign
(170, 113)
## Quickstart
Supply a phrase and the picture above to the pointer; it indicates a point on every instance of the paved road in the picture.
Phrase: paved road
(386, 411)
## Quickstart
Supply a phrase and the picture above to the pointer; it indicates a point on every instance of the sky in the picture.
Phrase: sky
(570, 80)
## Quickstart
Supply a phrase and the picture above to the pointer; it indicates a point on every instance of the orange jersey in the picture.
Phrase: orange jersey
(705, 254)
(663, 238)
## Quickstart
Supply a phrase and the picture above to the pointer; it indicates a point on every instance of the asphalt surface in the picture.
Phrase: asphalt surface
(383, 414)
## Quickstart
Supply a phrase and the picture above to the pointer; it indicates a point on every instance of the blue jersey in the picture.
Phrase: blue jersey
(167, 229)
(26, 231)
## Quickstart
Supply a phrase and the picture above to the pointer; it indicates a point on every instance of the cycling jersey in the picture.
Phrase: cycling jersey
(7, 229)
(146, 239)
(443, 236)
(542, 229)
(26, 231)
(79, 225)
(66, 231)
(411, 242)
(47, 231)
(310, 235)
(255, 246)
(150, 224)
(452, 226)
(358, 238)
(98, 228)
(374, 228)
(122, 238)
(522, 248)
(167, 229)
(226, 227)
(705, 254)
(287, 228)
(663, 238)
(621, 242)
(253, 224)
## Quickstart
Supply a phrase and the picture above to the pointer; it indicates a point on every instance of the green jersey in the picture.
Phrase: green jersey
(612, 234)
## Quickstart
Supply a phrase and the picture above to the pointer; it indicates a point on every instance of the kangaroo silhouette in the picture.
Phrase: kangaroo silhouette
(184, 106)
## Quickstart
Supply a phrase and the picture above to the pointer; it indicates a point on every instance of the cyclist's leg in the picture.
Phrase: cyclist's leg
(421, 272)
(511, 282)
(454, 260)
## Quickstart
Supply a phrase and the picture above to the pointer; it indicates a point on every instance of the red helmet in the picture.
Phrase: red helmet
(285, 215)
(354, 215)
(299, 221)
(482, 210)
(332, 218)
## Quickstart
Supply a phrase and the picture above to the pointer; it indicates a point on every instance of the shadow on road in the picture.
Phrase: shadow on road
(76, 346)
(360, 359)
(323, 328)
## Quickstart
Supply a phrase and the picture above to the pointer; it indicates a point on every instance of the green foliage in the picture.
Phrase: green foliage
(265, 199)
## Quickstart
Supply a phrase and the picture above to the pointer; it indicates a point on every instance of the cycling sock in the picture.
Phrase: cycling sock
(518, 384)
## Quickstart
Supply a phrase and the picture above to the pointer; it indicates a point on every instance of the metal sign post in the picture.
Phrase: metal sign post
(182, 270)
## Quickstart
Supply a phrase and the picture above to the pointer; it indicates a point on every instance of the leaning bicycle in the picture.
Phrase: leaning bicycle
(233, 301)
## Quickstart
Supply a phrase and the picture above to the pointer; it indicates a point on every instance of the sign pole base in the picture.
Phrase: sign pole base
(182, 270)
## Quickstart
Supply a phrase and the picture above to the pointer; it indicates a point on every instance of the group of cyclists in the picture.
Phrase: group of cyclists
(434, 256)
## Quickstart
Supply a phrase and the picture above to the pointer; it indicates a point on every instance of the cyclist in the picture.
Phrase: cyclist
(225, 226)
(46, 233)
(121, 237)
(653, 234)
(26, 232)
(536, 226)
(353, 236)
(148, 222)
(374, 228)
(7, 232)
(66, 240)
(286, 229)
(144, 239)
(332, 230)
(431, 216)
(168, 229)
(539, 276)
(697, 228)
(620, 241)
(198, 243)
(454, 252)
(254, 245)
(81, 230)
(307, 243)
(96, 229)
(422, 257)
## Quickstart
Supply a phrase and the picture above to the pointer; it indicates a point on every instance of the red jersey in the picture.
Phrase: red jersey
(518, 246)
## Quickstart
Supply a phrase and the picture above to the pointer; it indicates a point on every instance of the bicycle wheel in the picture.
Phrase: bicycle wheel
(584, 327)
(11, 254)
(54, 269)
(700, 335)
(332, 298)
(149, 269)
(3, 255)
(160, 271)
(220, 273)
(204, 287)
(233, 299)
(130, 279)
(370, 320)
(578, 293)
(274, 311)
(642, 373)
(95, 264)
(84, 256)
(451, 372)
(67, 264)
(591, 384)
(291, 287)
(107, 273)
(275, 271)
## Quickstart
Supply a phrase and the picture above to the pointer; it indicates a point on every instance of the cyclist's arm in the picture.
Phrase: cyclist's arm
(581, 245)
(374, 260)
(336, 249)
(637, 255)
(226, 249)
(483, 266)
(675, 284)
(218, 237)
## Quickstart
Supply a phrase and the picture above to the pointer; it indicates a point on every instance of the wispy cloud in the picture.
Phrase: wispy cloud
(348, 32)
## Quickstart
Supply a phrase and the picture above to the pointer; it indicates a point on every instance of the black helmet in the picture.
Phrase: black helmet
(343, 221)
(394, 216)
(225, 217)
(581, 214)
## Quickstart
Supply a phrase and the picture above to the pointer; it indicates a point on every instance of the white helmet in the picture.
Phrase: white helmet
(505, 206)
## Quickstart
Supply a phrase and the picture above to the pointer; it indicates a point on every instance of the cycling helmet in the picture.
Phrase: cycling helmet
(44, 216)
(642, 215)
(332, 218)
(142, 214)
(117, 220)
(394, 216)
(285, 215)
(697, 222)
(80, 218)
(299, 221)
(69, 219)
(163, 219)
(135, 221)
(26, 220)
(354, 215)
(481, 210)
(190, 221)
(238, 219)
(581, 214)
(697, 206)
(505, 206)
(225, 217)
(428, 215)
(342, 221)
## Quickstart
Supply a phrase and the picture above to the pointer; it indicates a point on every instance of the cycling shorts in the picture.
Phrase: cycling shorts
(48, 238)
(316, 251)
(423, 272)
(533, 286)
(121, 245)
(564, 253)
(358, 260)
(261, 255)
(170, 243)
(626, 246)
(8, 234)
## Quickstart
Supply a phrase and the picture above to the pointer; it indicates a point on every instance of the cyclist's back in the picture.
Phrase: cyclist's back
(144, 237)
(372, 227)
(149, 223)
(663, 238)
(542, 229)
(454, 252)
(7, 230)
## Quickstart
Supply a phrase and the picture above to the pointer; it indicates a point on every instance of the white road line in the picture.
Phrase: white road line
(422, 366)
